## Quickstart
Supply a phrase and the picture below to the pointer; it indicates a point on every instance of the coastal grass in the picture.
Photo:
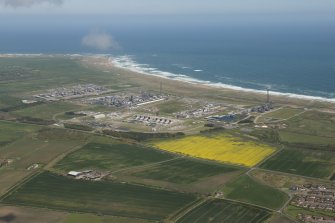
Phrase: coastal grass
(280, 114)
(110, 157)
(310, 163)
(222, 147)
(183, 171)
(311, 127)
(223, 211)
(248, 190)
(108, 198)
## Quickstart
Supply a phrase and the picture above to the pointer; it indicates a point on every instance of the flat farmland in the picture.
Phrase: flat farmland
(30, 150)
(47, 111)
(183, 171)
(311, 128)
(223, 148)
(318, 164)
(110, 157)
(109, 198)
(222, 211)
(93, 218)
(11, 214)
(248, 190)
(10, 131)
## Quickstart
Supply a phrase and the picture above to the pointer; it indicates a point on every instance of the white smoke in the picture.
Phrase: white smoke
(28, 3)
(100, 40)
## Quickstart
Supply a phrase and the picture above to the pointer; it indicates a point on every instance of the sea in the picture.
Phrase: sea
(293, 57)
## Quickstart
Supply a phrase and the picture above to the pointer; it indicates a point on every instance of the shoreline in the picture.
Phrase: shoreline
(151, 72)
(190, 80)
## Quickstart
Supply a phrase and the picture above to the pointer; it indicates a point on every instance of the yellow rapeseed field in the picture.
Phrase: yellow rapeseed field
(223, 148)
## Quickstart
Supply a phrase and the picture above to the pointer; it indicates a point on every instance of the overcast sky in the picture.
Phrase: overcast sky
(167, 7)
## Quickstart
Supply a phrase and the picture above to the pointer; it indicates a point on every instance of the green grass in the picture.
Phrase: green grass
(47, 111)
(91, 218)
(110, 157)
(10, 131)
(309, 163)
(222, 211)
(283, 113)
(312, 126)
(184, 171)
(301, 138)
(294, 211)
(248, 190)
(58, 192)
(170, 107)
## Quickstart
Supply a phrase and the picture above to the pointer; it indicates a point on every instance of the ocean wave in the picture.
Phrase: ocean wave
(128, 62)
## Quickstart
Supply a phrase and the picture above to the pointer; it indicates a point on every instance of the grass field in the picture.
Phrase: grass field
(91, 218)
(29, 150)
(309, 163)
(10, 131)
(280, 114)
(58, 192)
(47, 111)
(248, 190)
(170, 107)
(312, 127)
(222, 148)
(294, 211)
(183, 171)
(10, 214)
(110, 157)
(282, 181)
(222, 211)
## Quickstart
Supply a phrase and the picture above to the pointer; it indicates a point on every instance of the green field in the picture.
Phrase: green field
(91, 218)
(58, 192)
(280, 114)
(10, 131)
(248, 190)
(222, 211)
(110, 157)
(183, 171)
(309, 163)
(294, 211)
(171, 107)
(312, 127)
(47, 111)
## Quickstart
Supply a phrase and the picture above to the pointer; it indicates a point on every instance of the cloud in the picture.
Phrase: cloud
(100, 40)
(28, 3)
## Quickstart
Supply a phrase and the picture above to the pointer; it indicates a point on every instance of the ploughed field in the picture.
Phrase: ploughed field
(59, 192)
(222, 211)
(222, 148)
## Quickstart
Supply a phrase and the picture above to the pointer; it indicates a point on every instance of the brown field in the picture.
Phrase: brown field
(10, 178)
(30, 150)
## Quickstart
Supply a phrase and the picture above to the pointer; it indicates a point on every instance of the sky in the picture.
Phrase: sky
(167, 7)
(19, 18)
